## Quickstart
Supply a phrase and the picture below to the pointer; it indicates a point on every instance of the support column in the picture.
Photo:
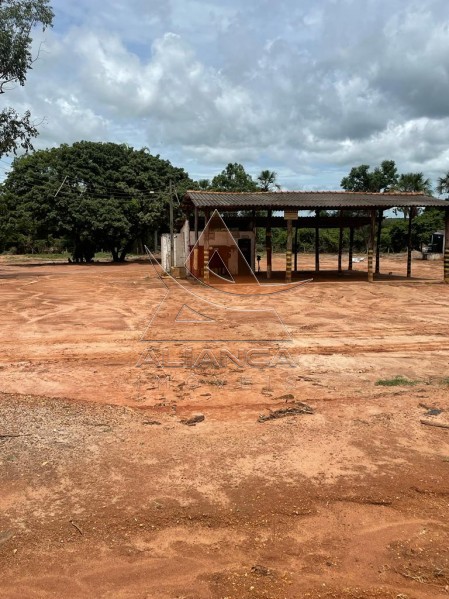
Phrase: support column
(446, 247)
(296, 248)
(379, 231)
(253, 254)
(195, 249)
(206, 247)
(268, 244)
(371, 243)
(317, 243)
(340, 244)
(409, 242)
(288, 255)
(351, 247)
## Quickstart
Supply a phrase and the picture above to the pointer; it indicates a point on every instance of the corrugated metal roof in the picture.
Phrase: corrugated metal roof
(305, 200)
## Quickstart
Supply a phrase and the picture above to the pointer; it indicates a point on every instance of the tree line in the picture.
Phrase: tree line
(93, 196)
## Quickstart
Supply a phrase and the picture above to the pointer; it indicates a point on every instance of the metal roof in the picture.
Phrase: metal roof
(305, 200)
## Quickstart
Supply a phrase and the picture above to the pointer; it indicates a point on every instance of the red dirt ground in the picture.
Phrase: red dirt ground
(107, 494)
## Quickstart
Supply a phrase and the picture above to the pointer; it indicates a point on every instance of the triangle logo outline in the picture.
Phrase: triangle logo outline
(227, 274)
(188, 314)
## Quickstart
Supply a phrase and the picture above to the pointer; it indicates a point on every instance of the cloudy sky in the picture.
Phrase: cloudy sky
(306, 88)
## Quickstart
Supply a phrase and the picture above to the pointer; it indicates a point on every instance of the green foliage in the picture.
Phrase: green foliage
(431, 220)
(203, 184)
(397, 381)
(268, 181)
(17, 19)
(443, 184)
(414, 182)
(233, 178)
(362, 179)
(95, 195)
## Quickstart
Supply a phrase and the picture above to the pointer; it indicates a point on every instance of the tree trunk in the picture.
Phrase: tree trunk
(125, 251)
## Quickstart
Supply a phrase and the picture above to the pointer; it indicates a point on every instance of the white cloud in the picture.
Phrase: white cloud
(308, 90)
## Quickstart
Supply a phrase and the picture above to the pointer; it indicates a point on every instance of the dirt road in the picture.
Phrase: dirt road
(107, 493)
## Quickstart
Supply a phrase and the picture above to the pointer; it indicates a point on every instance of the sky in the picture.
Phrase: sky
(306, 88)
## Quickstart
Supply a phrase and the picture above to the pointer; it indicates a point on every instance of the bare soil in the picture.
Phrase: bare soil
(108, 491)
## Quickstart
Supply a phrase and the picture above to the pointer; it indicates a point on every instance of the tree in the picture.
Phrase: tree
(382, 179)
(17, 20)
(443, 185)
(412, 183)
(268, 181)
(95, 195)
(358, 179)
(233, 178)
(203, 184)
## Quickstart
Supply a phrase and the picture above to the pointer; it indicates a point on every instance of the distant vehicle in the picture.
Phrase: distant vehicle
(435, 247)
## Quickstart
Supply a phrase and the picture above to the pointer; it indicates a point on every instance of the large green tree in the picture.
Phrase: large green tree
(233, 178)
(17, 20)
(96, 195)
(383, 178)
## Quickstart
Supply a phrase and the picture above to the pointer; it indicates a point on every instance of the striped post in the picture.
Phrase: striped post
(317, 242)
(409, 243)
(340, 244)
(380, 218)
(268, 244)
(446, 247)
(288, 256)
(296, 248)
(371, 239)
(206, 247)
(195, 249)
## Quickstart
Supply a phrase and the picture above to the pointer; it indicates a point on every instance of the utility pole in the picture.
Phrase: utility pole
(172, 235)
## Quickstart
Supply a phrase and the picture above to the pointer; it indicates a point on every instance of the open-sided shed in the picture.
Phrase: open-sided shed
(354, 209)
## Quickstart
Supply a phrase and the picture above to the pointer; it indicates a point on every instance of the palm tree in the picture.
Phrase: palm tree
(443, 184)
(413, 182)
(267, 181)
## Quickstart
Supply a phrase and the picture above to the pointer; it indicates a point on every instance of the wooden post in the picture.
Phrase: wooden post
(317, 243)
(206, 247)
(351, 247)
(196, 224)
(288, 255)
(155, 242)
(253, 254)
(296, 248)
(379, 231)
(268, 244)
(340, 244)
(446, 247)
(195, 249)
(371, 242)
(409, 242)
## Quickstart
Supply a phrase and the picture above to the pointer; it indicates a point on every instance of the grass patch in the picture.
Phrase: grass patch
(397, 381)
(445, 381)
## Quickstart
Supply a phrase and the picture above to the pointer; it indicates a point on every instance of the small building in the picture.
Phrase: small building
(245, 212)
